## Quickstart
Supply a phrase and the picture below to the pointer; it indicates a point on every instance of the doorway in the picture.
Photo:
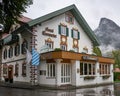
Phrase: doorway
(10, 73)
(66, 73)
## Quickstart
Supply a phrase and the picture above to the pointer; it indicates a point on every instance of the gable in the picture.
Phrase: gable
(77, 16)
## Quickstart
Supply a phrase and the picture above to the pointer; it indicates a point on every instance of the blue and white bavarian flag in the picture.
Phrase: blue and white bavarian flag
(35, 57)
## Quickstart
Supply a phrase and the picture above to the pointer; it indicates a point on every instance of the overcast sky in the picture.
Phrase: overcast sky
(91, 10)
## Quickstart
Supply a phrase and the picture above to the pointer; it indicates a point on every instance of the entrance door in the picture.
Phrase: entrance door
(10, 74)
(66, 73)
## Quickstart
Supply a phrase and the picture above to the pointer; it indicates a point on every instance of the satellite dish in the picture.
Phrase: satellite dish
(1, 27)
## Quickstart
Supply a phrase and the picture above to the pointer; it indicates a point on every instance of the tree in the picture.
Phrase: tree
(116, 55)
(10, 10)
(97, 51)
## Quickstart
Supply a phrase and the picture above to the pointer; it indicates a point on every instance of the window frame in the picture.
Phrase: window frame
(23, 46)
(10, 52)
(63, 30)
(5, 53)
(17, 49)
(51, 70)
(104, 69)
(86, 69)
(75, 34)
(5, 70)
(49, 43)
(24, 69)
(16, 70)
(63, 47)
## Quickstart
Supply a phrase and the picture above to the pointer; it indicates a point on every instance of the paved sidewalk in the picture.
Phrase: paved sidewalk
(32, 87)
(17, 85)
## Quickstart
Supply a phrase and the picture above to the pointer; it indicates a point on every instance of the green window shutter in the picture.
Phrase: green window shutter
(67, 31)
(72, 33)
(78, 35)
(59, 29)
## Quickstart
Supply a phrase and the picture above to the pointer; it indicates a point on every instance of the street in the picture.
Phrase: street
(109, 90)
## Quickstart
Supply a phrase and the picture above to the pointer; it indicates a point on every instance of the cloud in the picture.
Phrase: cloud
(92, 10)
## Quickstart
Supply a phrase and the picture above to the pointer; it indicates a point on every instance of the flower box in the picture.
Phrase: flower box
(105, 76)
(89, 77)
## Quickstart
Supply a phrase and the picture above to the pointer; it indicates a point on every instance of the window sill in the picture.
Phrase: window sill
(50, 77)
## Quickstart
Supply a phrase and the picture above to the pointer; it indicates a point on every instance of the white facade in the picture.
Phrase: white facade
(53, 24)
(62, 67)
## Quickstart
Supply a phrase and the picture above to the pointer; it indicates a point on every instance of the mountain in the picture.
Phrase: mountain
(108, 32)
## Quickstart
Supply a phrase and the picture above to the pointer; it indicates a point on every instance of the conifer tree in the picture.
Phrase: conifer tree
(10, 10)
(97, 51)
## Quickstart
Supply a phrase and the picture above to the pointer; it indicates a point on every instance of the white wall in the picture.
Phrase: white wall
(53, 24)
(18, 59)
(19, 77)
(43, 79)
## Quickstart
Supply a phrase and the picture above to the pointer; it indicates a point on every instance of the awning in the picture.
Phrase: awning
(10, 39)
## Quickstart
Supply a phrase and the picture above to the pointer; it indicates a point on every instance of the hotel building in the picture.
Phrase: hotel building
(65, 43)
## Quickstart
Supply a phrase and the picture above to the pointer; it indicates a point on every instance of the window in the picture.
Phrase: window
(104, 68)
(87, 69)
(49, 44)
(43, 72)
(24, 69)
(63, 30)
(5, 54)
(63, 47)
(10, 54)
(24, 45)
(16, 69)
(51, 70)
(75, 34)
(69, 18)
(17, 50)
(5, 68)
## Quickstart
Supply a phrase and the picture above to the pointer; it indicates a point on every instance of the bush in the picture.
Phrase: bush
(116, 76)
(71, 50)
(57, 49)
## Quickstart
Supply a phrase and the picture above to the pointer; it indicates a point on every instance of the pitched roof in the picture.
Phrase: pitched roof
(24, 19)
(73, 9)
